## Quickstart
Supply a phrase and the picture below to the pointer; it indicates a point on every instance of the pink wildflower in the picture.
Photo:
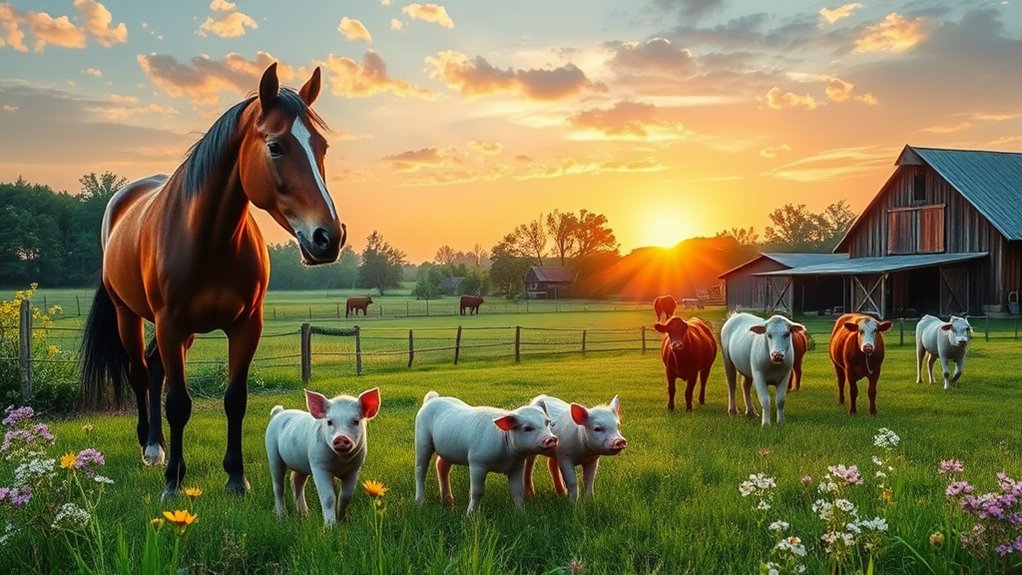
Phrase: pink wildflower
(949, 466)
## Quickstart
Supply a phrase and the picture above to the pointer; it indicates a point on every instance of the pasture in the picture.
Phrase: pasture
(668, 504)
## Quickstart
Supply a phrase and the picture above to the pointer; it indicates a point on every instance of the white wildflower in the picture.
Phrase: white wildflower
(71, 516)
(779, 526)
(27, 473)
(102, 479)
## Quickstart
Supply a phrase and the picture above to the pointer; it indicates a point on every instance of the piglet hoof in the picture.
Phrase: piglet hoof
(153, 455)
(238, 485)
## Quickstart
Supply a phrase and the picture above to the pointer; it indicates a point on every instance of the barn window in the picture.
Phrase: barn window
(919, 188)
(931, 229)
(916, 230)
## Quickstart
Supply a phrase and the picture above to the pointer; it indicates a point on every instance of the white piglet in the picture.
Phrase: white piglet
(583, 435)
(943, 340)
(325, 442)
(762, 352)
(486, 439)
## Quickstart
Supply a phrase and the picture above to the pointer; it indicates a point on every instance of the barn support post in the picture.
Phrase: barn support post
(358, 351)
(306, 353)
(986, 328)
(901, 331)
(1016, 328)
(583, 342)
(457, 346)
(518, 344)
(411, 348)
(643, 339)
(25, 337)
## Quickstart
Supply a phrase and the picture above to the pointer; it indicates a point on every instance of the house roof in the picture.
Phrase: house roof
(553, 274)
(990, 181)
(877, 265)
(789, 260)
(451, 282)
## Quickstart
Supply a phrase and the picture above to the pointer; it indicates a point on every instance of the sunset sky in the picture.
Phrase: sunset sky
(452, 123)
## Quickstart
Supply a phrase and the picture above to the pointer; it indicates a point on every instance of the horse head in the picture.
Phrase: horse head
(281, 167)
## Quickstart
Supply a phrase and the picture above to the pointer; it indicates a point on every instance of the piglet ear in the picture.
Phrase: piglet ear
(579, 414)
(541, 403)
(884, 326)
(370, 402)
(615, 404)
(758, 329)
(506, 422)
(317, 404)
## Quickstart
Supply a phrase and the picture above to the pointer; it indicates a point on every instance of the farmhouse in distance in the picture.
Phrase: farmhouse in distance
(942, 236)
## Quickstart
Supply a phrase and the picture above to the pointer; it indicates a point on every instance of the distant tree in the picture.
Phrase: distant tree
(796, 228)
(507, 268)
(102, 187)
(479, 255)
(838, 217)
(475, 282)
(427, 285)
(531, 239)
(563, 229)
(744, 236)
(445, 256)
(381, 265)
(593, 235)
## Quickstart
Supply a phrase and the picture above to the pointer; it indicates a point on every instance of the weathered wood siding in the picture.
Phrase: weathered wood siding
(965, 230)
(750, 292)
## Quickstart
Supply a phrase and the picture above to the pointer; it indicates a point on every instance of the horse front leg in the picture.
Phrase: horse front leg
(242, 343)
(179, 402)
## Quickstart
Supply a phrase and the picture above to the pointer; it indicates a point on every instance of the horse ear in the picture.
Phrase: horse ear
(269, 87)
(310, 91)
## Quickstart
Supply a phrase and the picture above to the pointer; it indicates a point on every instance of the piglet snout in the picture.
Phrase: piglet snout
(550, 442)
(342, 443)
(618, 444)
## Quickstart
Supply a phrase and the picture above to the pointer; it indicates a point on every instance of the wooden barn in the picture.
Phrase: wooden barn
(745, 289)
(942, 236)
(549, 282)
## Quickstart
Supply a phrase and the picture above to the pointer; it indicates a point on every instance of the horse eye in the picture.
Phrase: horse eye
(275, 148)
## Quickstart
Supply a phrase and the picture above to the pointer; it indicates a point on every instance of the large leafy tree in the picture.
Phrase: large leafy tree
(796, 228)
(381, 264)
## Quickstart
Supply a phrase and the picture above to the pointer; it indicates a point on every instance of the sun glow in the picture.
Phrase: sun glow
(664, 230)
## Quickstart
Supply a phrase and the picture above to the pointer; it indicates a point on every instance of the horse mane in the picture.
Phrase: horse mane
(216, 151)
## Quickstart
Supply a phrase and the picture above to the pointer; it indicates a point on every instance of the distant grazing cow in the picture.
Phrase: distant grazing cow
(800, 342)
(857, 350)
(762, 351)
(688, 351)
(946, 341)
(357, 303)
(471, 303)
(664, 305)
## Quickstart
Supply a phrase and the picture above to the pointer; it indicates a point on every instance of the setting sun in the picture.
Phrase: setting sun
(663, 229)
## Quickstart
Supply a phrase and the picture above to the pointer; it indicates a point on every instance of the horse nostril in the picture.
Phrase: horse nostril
(321, 238)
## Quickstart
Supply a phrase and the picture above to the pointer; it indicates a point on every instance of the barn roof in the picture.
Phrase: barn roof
(877, 265)
(789, 260)
(990, 181)
(553, 274)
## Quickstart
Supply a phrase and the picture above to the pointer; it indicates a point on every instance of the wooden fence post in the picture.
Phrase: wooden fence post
(643, 339)
(583, 342)
(408, 312)
(79, 303)
(901, 331)
(986, 332)
(25, 333)
(427, 307)
(411, 348)
(518, 343)
(457, 346)
(310, 313)
(338, 310)
(358, 351)
(1016, 327)
(275, 314)
(306, 353)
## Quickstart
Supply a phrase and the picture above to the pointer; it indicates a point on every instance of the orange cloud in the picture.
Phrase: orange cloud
(228, 23)
(486, 148)
(124, 107)
(780, 100)
(10, 108)
(655, 54)
(836, 164)
(351, 79)
(838, 90)
(204, 79)
(574, 167)
(415, 160)
(98, 21)
(832, 15)
(477, 78)
(396, 24)
(94, 72)
(895, 33)
(774, 151)
(354, 29)
(634, 121)
(433, 13)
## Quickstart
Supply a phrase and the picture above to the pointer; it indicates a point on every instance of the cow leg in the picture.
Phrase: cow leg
(732, 375)
(702, 385)
(872, 392)
(853, 393)
(920, 356)
(763, 394)
(670, 391)
(443, 476)
(930, 360)
(747, 396)
(780, 394)
(796, 376)
(840, 384)
(959, 366)
(690, 386)
(947, 372)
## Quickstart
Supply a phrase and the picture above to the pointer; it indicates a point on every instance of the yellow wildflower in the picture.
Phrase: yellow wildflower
(68, 461)
(374, 488)
(180, 519)
(87, 428)
(156, 522)
(192, 492)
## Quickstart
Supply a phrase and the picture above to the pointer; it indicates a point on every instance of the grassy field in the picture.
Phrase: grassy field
(668, 504)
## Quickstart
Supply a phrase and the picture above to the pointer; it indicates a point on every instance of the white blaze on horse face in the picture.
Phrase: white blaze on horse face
(304, 137)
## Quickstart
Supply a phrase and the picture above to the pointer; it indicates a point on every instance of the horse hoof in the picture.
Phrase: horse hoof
(238, 486)
(168, 494)
(153, 455)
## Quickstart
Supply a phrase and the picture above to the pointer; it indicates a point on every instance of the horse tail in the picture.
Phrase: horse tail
(104, 361)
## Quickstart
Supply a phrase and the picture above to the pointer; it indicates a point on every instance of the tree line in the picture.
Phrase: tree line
(53, 238)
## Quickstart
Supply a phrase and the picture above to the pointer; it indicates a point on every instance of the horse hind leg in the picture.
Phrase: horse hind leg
(153, 449)
(129, 327)
(242, 343)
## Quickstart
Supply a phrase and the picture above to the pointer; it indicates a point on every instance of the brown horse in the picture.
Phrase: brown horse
(185, 253)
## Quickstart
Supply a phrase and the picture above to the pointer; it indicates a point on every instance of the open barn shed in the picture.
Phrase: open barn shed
(746, 286)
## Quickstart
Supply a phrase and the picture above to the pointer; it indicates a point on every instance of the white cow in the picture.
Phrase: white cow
(942, 340)
(760, 350)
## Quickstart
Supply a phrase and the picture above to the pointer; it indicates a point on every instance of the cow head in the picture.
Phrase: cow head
(778, 330)
(674, 328)
(369, 299)
(958, 331)
(867, 330)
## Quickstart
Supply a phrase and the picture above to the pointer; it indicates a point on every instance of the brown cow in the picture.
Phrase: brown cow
(688, 351)
(665, 304)
(800, 343)
(471, 303)
(857, 350)
(358, 303)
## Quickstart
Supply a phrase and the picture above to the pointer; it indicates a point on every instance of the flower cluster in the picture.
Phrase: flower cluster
(950, 467)
(996, 515)
(759, 485)
(886, 440)
(786, 555)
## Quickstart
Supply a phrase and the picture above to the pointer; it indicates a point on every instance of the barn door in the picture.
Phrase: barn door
(868, 294)
(954, 291)
(780, 295)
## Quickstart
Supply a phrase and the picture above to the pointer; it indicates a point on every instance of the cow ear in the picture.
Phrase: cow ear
(317, 403)
(269, 87)
(946, 327)
(884, 326)
(615, 404)
(797, 327)
(661, 327)
(370, 402)
(758, 329)
(851, 326)
(506, 422)
(310, 91)
(579, 414)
